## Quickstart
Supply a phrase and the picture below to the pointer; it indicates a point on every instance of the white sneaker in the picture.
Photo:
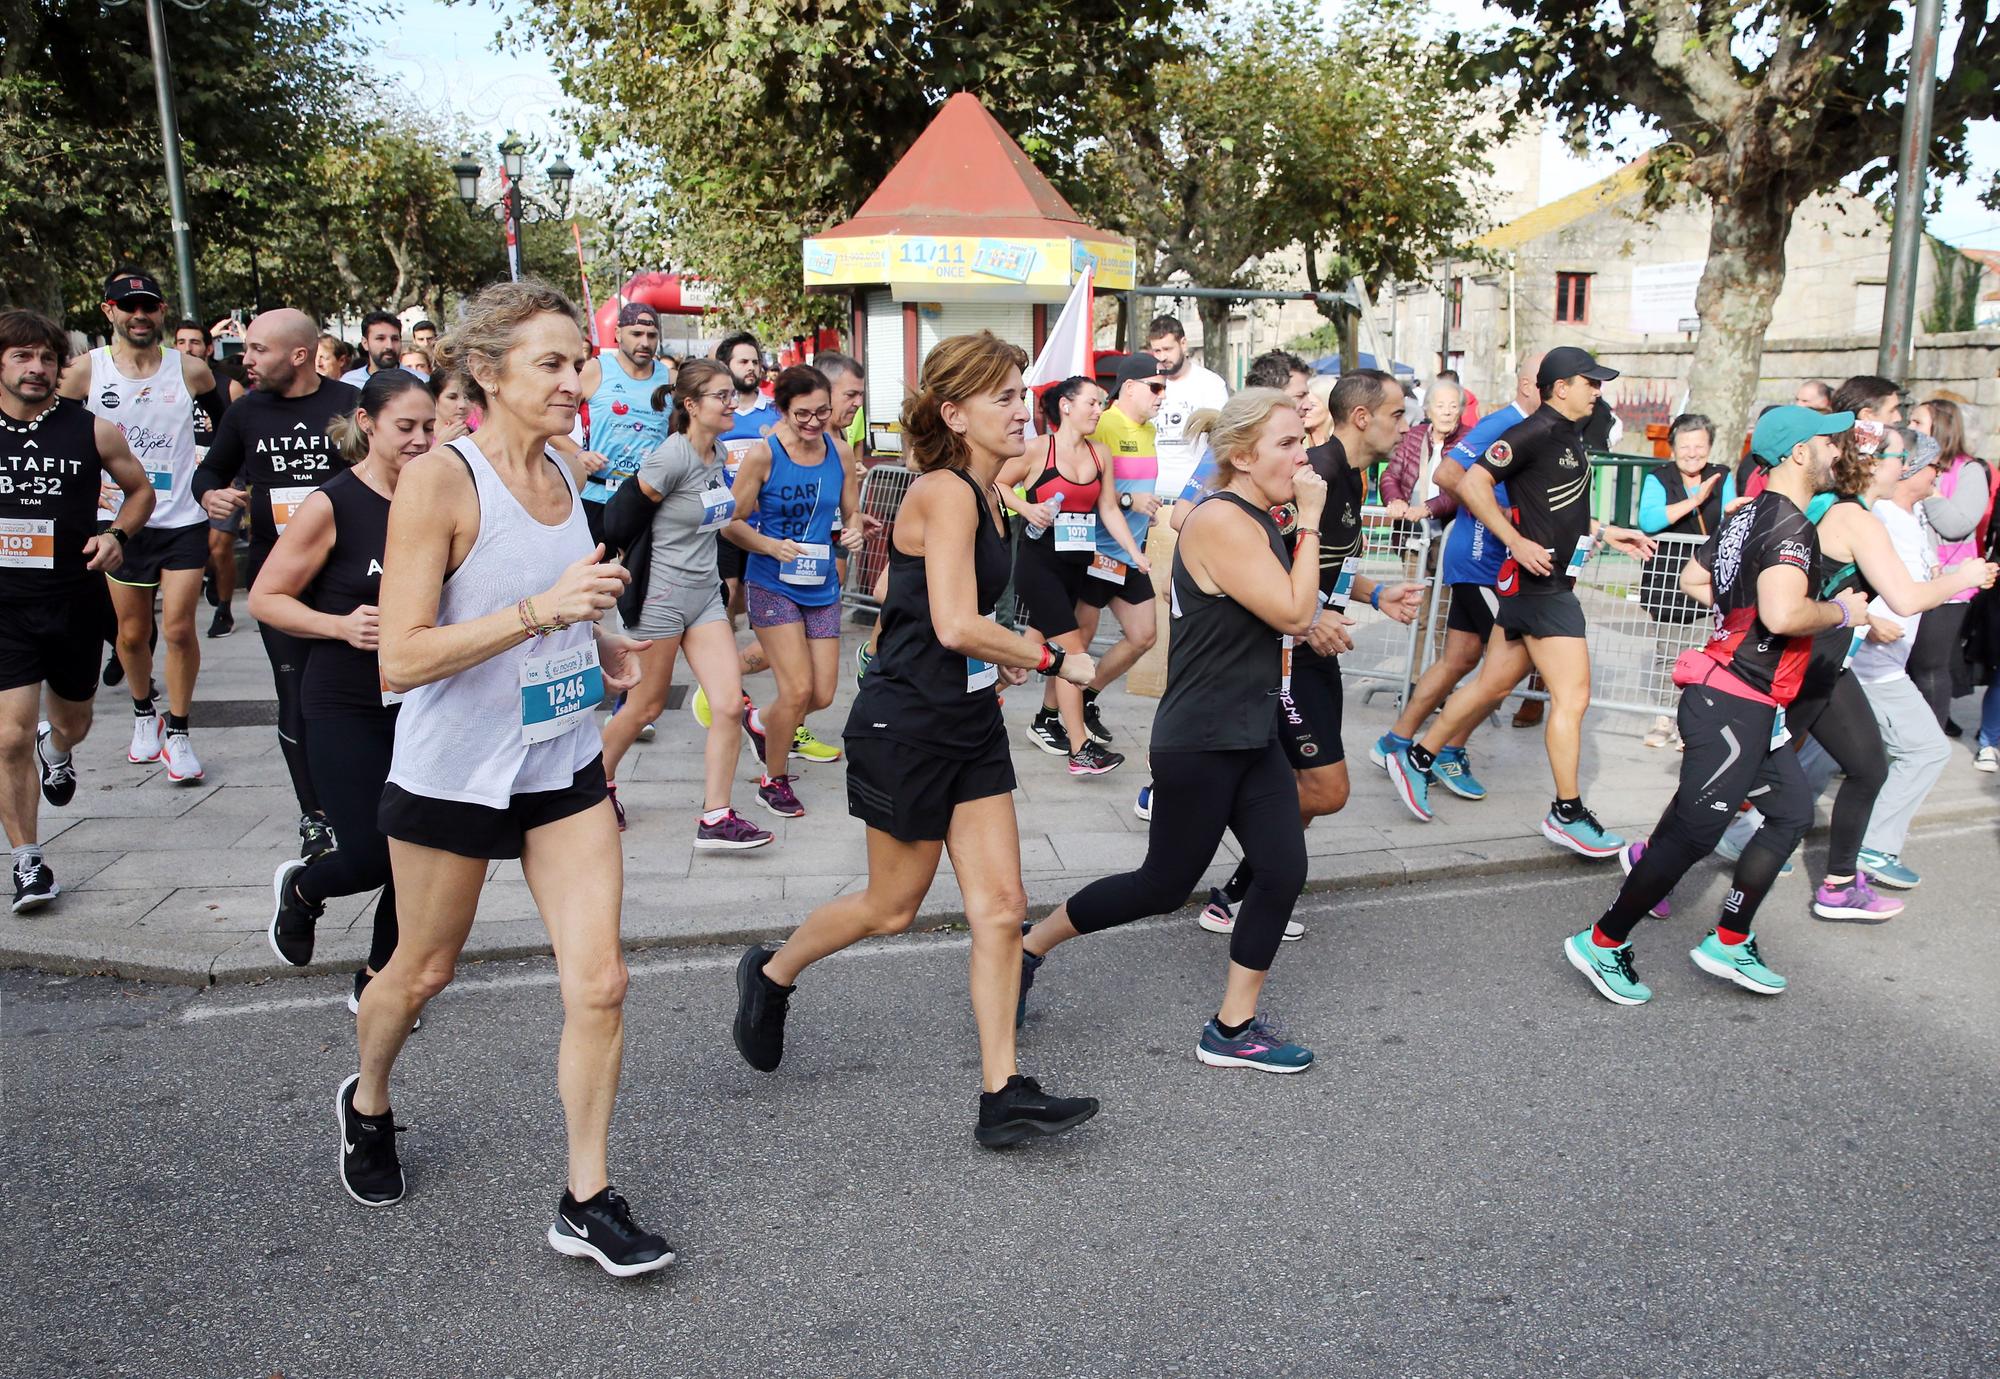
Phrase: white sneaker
(182, 764)
(146, 738)
(1986, 759)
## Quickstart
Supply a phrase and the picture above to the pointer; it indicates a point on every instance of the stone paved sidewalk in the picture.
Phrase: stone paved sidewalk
(174, 882)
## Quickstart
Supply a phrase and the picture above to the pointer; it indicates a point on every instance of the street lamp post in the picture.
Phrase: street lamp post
(515, 207)
(170, 144)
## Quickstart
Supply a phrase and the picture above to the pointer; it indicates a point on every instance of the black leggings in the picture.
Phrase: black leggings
(1196, 795)
(1728, 759)
(350, 758)
(1937, 656)
(288, 672)
(1845, 726)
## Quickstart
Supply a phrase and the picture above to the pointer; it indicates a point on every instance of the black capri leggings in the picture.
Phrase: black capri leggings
(288, 672)
(1196, 795)
(350, 758)
(1845, 726)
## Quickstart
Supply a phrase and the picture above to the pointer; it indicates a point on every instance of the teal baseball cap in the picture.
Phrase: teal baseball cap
(1781, 428)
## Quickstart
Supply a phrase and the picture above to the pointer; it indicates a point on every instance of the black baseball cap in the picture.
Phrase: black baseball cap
(638, 313)
(1567, 361)
(121, 288)
(1134, 367)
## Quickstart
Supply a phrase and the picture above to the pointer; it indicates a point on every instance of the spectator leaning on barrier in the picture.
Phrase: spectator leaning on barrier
(1960, 512)
(1684, 497)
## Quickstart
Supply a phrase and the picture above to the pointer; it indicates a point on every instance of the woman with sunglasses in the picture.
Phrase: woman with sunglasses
(796, 484)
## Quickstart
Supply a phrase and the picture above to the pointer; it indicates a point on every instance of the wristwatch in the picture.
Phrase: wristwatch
(117, 534)
(1056, 655)
(1125, 501)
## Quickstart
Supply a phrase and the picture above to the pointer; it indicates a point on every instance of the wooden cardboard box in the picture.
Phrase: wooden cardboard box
(1149, 675)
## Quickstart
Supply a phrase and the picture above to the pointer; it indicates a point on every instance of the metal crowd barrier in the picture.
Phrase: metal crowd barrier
(1387, 653)
(1635, 626)
(882, 489)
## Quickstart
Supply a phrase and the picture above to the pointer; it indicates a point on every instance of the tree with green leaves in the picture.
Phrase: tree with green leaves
(1277, 134)
(1762, 103)
(751, 125)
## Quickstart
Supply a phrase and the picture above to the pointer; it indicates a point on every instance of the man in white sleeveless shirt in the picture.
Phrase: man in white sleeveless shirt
(147, 391)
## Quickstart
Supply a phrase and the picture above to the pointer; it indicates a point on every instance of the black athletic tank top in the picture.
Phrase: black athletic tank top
(49, 473)
(1224, 663)
(1339, 527)
(341, 680)
(918, 691)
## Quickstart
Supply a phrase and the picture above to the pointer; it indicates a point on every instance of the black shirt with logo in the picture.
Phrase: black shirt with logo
(275, 443)
(1339, 524)
(49, 477)
(1771, 533)
(1547, 472)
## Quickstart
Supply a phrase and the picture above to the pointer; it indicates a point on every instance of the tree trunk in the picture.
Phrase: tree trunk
(1746, 267)
(1214, 312)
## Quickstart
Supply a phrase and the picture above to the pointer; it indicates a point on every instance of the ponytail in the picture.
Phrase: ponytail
(383, 387)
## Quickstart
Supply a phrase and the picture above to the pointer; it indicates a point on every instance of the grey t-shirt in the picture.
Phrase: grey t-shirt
(684, 525)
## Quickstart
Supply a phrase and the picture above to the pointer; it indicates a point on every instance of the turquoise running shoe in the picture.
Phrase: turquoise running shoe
(1732, 854)
(1259, 1047)
(1453, 770)
(1385, 747)
(1608, 969)
(1887, 869)
(1739, 963)
(1413, 787)
(1582, 835)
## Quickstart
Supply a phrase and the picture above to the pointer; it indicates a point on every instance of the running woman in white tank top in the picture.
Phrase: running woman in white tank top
(147, 391)
(499, 627)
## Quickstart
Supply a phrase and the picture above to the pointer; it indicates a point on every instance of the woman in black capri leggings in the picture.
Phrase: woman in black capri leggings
(321, 582)
(1238, 599)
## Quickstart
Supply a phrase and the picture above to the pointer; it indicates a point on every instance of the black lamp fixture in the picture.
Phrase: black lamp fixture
(466, 173)
(513, 157)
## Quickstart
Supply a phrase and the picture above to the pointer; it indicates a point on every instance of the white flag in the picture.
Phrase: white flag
(1067, 351)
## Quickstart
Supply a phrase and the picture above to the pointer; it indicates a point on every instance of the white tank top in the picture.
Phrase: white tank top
(460, 738)
(157, 416)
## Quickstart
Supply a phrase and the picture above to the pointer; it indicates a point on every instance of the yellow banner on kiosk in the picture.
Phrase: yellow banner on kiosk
(965, 261)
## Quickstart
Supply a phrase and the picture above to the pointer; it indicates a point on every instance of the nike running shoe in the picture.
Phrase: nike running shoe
(1582, 835)
(759, 1028)
(617, 805)
(293, 917)
(1259, 1047)
(1219, 916)
(1452, 769)
(1855, 901)
(316, 838)
(1608, 969)
(1022, 1108)
(369, 1168)
(601, 1228)
(147, 729)
(775, 794)
(222, 624)
(804, 744)
(1387, 746)
(731, 833)
(1628, 859)
(1142, 804)
(1093, 722)
(34, 885)
(1729, 852)
(1094, 760)
(183, 766)
(58, 778)
(114, 671)
(1047, 732)
(1883, 868)
(1413, 787)
(1736, 962)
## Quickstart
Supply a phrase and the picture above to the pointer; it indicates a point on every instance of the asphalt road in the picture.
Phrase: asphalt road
(1491, 1171)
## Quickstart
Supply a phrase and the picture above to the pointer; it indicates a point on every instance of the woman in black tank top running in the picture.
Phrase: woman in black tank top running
(321, 582)
(1238, 600)
(927, 761)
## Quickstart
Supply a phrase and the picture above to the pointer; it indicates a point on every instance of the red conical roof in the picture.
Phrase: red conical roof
(965, 175)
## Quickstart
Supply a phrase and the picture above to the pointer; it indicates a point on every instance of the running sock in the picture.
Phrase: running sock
(1421, 758)
(1238, 884)
(1090, 696)
(27, 855)
(177, 723)
(1231, 1031)
(52, 757)
(143, 708)
(715, 816)
(1602, 939)
(1729, 936)
(1569, 811)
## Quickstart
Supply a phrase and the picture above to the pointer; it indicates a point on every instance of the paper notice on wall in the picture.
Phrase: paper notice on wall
(1663, 296)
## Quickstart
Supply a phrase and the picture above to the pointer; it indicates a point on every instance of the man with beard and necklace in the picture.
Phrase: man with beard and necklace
(192, 339)
(1190, 389)
(624, 425)
(275, 442)
(381, 345)
(147, 391)
(54, 456)
(755, 416)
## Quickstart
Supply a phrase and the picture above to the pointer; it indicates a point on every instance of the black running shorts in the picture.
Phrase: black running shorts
(1309, 717)
(162, 548)
(1554, 614)
(1472, 609)
(1136, 589)
(909, 793)
(1048, 587)
(57, 641)
(478, 830)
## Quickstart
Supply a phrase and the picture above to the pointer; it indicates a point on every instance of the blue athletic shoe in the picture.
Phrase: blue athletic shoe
(1387, 746)
(1413, 787)
(1584, 836)
(1453, 770)
(1887, 869)
(1607, 969)
(1143, 806)
(1259, 1047)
